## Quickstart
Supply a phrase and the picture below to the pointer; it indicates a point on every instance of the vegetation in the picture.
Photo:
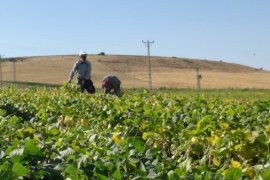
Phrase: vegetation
(20, 84)
(57, 133)
(101, 53)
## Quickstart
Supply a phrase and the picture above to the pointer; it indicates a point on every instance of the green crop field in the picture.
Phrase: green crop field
(58, 133)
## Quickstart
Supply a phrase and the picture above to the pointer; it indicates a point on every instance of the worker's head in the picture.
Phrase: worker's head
(105, 85)
(83, 55)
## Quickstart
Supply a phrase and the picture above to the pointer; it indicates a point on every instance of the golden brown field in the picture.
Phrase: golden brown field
(133, 71)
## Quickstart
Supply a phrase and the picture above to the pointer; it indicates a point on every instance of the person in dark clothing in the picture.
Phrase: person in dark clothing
(83, 69)
(111, 84)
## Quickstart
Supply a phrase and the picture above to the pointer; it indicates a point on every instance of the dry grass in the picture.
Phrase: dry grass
(133, 72)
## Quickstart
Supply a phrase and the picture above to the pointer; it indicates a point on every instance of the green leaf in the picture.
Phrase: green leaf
(142, 167)
(230, 112)
(52, 119)
(117, 174)
(73, 172)
(137, 177)
(150, 134)
(16, 152)
(100, 176)
(82, 160)
(19, 134)
(19, 169)
(6, 172)
(93, 138)
(139, 144)
(233, 173)
(13, 119)
(4, 167)
(3, 112)
(171, 175)
(266, 174)
(41, 174)
(152, 174)
(2, 154)
(54, 131)
(17, 159)
(109, 166)
(29, 130)
(202, 124)
(7, 175)
(31, 148)
(67, 152)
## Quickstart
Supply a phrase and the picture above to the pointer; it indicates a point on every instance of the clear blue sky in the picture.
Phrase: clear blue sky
(235, 31)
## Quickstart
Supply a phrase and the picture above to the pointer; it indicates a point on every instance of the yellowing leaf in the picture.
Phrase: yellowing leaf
(84, 121)
(216, 161)
(238, 147)
(159, 143)
(19, 134)
(116, 138)
(68, 121)
(194, 140)
(267, 128)
(236, 164)
(58, 143)
(28, 130)
(147, 135)
(214, 140)
(251, 136)
(251, 172)
(75, 146)
(246, 152)
(36, 138)
(224, 125)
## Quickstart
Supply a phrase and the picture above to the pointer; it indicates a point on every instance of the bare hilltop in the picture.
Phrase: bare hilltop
(170, 72)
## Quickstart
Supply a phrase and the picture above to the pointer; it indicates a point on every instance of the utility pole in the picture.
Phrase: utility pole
(198, 77)
(13, 60)
(14, 71)
(148, 44)
(1, 74)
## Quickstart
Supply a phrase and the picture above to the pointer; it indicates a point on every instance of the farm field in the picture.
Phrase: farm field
(58, 133)
(169, 72)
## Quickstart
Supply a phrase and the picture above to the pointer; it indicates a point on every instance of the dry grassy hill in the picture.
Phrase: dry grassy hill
(133, 71)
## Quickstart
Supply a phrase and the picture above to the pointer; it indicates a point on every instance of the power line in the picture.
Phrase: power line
(148, 44)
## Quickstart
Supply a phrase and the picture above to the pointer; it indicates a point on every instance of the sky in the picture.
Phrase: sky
(235, 31)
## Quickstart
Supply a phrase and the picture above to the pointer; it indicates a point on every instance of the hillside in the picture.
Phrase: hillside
(133, 71)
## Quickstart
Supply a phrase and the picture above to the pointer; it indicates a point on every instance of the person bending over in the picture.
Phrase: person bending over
(111, 84)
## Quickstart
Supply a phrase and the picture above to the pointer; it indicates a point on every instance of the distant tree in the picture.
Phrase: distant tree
(101, 53)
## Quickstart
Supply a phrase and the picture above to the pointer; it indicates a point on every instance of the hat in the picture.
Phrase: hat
(82, 53)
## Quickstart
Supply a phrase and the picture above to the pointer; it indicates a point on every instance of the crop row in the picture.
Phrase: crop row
(59, 133)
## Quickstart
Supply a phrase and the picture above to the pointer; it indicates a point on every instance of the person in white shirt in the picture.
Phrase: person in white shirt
(83, 70)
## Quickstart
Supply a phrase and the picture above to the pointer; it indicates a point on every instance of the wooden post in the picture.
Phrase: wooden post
(198, 77)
